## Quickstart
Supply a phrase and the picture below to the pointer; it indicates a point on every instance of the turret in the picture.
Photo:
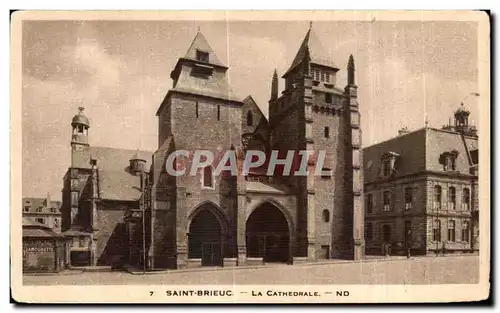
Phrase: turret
(274, 86)
(80, 126)
(137, 165)
(351, 79)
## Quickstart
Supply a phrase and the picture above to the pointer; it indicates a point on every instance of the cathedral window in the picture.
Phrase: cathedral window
(326, 216)
(202, 56)
(208, 177)
(249, 119)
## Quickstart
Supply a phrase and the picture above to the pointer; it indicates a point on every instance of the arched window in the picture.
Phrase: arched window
(452, 197)
(466, 198)
(437, 196)
(207, 177)
(326, 216)
(249, 119)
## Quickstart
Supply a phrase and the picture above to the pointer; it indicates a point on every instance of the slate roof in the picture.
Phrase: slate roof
(113, 159)
(33, 229)
(201, 43)
(119, 186)
(317, 52)
(35, 203)
(419, 151)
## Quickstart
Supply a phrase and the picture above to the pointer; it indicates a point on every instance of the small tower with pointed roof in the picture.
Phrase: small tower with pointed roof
(79, 139)
(137, 164)
(199, 112)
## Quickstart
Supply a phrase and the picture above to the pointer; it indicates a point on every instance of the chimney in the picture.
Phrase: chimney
(403, 131)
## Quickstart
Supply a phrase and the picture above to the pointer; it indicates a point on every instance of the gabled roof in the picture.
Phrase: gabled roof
(200, 43)
(33, 229)
(317, 52)
(250, 101)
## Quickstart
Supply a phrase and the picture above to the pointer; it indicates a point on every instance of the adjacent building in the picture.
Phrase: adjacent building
(44, 211)
(421, 190)
(122, 207)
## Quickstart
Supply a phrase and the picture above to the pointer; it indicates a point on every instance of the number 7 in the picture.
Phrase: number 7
(151, 293)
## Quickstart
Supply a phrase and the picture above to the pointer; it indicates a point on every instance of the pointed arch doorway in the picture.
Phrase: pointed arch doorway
(205, 237)
(268, 234)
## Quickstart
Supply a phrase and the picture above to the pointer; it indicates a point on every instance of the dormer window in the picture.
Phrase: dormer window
(448, 160)
(202, 56)
(388, 161)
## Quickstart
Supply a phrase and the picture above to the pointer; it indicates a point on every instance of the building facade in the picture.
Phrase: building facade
(161, 220)
(44, 211)
(421, 190)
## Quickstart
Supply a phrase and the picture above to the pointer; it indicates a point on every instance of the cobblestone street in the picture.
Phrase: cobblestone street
(421, 270)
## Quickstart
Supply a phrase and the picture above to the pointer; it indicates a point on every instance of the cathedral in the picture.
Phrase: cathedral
(122, 208)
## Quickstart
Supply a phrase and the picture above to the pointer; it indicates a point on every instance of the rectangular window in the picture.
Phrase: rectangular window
(466, 198)
(197, 110)
(436, 231)
(451, 231)
(218, 112)
(81, 241)
(40, 220)
(201, 56)
(26, 208)
(408, 198)
(387, 201)
(386, 167)
(327, 132)
(316, 75)
(322, 76)
(328, 98)
(465, 231)
(327, 77)
(437, 197)
(452, 197)
(369, 203)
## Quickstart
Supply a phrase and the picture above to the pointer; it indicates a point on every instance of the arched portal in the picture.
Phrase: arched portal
(205, 238)
(268, 234)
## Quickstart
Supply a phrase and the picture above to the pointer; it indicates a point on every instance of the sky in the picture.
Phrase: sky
(119, 71)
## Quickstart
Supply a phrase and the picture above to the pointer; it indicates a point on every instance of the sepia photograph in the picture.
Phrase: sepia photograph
(250, 157)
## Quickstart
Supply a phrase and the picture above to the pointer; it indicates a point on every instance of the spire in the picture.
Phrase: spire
(274, 86)
(351, 79)
(317, 52)
(200, 46)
